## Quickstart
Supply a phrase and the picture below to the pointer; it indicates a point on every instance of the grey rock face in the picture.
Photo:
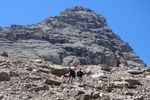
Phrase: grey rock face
(78, 32)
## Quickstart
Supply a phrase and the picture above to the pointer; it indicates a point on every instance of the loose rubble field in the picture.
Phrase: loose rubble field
(37, 80)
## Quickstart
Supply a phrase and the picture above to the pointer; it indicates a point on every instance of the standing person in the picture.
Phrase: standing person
(72, 74)
(80, 75)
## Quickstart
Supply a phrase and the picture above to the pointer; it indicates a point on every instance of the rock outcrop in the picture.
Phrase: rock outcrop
(78, 32)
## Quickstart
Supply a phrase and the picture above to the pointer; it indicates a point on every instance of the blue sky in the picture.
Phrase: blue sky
(130, 19)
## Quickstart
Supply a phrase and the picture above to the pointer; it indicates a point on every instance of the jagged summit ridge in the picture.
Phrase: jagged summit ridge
(77, 34)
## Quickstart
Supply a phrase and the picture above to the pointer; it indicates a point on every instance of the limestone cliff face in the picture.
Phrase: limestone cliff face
(77, 33)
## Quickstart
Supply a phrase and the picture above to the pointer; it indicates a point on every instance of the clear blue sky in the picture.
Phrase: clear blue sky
(130, 19)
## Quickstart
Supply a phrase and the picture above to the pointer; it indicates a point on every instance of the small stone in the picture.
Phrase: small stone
(13, 74)
(29, 69)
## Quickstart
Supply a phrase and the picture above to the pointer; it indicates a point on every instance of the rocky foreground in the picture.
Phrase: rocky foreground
(37, 80)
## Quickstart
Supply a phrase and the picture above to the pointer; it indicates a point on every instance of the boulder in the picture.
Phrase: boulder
(86, 97)
(148, 77)
(71, 61)
(52, 82)
(43, 65)
(13, 74)
(5, 54)
(1, 97)
(57, 70)
(135, 72)
(34, 78)
(147, 69)
(38, 61)
(44, 70)
(4, 76)
(40, 88)
(76, 93)
(53, 55)
(106, 68)
(89, 96)
(120, 84)
(99, 75)
(133, 81)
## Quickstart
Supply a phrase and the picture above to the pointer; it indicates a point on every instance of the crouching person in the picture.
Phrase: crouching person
(80, 74)
(64, 79)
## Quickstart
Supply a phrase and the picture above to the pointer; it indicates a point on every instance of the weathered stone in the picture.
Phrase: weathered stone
(44, 70)
(89, 97)
(34, 78)
(1, 97)
(13, 74)
(4, 76)
(106, 68)
(71, 61)
(59, 70)
(121, 84)
(133, 81)
(37, 61)
(5, 54)
(135, 72)
(52, 82)
(42, 65)
(98, 75)
(40, 88)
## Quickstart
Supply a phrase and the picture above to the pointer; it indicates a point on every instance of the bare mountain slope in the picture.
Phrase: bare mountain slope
(76, 34)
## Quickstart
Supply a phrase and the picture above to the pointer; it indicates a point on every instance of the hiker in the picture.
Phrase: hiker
(72, 74)
(80, 74)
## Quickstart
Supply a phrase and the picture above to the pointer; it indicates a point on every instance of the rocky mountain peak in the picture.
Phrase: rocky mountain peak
(78, 10)
(77, 34)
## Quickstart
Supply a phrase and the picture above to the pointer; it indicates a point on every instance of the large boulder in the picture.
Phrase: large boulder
(4, 76)
(58, 70)
(71, 61)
